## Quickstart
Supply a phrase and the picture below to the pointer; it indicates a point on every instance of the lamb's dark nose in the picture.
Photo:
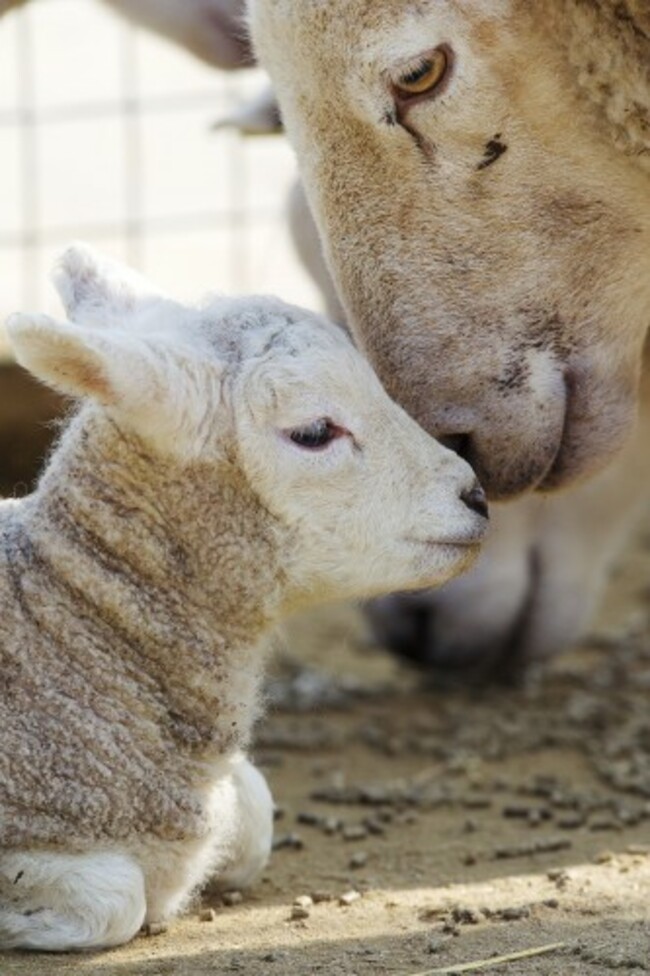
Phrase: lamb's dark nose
(475, 500)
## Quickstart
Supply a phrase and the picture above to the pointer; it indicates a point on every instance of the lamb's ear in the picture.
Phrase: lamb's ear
(96, 290)
(109, 365)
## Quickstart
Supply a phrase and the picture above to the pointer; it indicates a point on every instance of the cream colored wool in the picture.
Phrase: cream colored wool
(608, 48)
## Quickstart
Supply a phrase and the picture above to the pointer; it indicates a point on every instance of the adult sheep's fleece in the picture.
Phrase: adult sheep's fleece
(608, 46)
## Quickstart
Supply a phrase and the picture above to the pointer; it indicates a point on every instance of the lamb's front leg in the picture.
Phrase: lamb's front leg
(58, 902)
(247, 823)
(231, 857)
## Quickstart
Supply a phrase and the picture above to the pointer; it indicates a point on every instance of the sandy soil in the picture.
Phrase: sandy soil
(466, 825)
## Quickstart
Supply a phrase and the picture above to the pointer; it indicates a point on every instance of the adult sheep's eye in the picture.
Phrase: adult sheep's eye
(425, 75)
(316, 435)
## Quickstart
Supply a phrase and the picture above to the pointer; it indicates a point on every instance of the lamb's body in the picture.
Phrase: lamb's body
(130, 680)
(116, 636)
(234, 463)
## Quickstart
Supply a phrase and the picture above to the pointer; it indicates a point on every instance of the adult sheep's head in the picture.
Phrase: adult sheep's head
(483, 218)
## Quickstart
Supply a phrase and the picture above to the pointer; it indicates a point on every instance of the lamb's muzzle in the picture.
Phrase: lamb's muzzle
(174, 526)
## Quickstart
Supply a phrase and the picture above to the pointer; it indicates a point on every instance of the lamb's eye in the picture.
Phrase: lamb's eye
(316, 435)
(425, 75)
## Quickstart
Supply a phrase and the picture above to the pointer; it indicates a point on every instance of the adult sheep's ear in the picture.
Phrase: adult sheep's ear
(260, 116)
(98, 291)
(110, 366)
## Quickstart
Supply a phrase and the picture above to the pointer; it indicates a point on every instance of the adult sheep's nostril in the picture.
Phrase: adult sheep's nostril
(475, 500)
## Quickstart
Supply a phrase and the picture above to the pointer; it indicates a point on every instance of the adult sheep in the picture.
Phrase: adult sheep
(479, 176)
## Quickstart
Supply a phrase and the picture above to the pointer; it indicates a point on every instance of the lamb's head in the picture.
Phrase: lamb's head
(486, 227)
(374, 503)
(253, 390)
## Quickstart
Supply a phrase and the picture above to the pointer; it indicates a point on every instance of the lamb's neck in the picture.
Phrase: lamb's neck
(176, 567)
(607, 46)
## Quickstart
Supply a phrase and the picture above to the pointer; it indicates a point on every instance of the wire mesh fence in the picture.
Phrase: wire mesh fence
(105, 135)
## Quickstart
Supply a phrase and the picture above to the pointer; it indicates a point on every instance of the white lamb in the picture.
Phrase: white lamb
(229, 463)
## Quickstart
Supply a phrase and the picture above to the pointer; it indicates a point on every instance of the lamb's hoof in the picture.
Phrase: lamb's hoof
(405, 624)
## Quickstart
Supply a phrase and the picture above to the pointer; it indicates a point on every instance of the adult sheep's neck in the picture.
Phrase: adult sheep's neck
(176, 564)
(607, 44)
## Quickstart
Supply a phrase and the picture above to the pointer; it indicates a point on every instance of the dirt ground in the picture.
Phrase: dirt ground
(420, 830)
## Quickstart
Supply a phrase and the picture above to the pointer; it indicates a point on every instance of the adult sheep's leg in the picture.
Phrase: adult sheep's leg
(230, 857)
(58, 902)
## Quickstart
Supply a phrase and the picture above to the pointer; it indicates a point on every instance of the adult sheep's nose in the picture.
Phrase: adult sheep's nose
(475, 500)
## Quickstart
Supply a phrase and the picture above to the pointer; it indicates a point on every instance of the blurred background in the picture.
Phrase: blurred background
(106, 135)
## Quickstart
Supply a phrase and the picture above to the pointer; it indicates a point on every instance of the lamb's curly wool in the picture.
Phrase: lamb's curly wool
(117, 636)
(608, 46)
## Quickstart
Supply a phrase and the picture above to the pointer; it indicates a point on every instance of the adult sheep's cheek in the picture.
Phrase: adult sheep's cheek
(599, 422)
(564, 433)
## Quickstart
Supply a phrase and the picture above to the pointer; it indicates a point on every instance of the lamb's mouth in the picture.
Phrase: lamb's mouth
(465, 542)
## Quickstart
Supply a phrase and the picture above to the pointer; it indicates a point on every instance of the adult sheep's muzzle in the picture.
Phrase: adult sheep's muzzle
(564, 428)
